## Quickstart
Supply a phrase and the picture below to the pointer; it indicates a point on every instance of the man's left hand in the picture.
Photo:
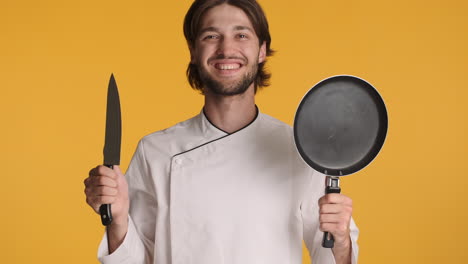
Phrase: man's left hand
(335, 216)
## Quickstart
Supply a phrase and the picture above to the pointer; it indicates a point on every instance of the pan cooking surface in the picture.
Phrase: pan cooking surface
(340, 125)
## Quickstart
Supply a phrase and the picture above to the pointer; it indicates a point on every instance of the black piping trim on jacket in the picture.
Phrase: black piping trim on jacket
(228, 134)
(256, 115)
(215, 125)
(200, 145)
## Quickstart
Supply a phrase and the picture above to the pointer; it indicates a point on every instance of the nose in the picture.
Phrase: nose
(226, 47)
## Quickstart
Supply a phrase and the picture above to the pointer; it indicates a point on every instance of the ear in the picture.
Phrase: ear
(262, 53)
(192, 54)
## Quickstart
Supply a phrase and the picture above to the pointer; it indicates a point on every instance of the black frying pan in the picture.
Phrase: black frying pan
(339, 128)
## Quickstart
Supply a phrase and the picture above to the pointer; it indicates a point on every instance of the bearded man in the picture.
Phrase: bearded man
(226, 186)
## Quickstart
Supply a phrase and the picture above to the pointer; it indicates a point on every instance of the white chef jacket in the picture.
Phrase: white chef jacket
(199, 195)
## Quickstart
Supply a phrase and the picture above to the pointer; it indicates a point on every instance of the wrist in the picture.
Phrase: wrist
(344, 243)
(120, 220)
(116, 233)
(118, 227)
(342, 251)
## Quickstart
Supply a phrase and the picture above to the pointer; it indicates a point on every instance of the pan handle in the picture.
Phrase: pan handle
(333, 186)
(105, 209)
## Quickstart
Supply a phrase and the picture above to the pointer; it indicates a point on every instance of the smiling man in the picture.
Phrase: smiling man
(226, 186)
(226, 51)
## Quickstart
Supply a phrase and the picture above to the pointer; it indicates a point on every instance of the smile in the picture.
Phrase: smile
(230, 66)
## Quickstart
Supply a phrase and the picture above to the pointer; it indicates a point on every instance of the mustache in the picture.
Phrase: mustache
(224, 57)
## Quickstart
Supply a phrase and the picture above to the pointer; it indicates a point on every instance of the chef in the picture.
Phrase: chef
(226, 186)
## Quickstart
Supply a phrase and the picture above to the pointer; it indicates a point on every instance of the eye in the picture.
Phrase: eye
(210, 37)
(242, 36)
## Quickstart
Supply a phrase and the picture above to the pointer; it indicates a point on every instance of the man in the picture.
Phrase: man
(226, 186)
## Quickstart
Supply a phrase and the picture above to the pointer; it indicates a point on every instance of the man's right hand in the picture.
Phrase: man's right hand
(108, 186)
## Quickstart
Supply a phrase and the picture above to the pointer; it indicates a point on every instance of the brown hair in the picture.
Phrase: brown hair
(258, 19)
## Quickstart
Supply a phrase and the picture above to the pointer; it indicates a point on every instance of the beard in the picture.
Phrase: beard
(235, 88)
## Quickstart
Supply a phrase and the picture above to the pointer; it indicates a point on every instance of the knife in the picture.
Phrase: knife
(112, 140)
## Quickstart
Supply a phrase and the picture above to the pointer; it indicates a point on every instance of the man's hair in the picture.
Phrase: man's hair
(254, 12)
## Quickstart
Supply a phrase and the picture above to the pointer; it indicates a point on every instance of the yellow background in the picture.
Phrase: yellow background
(55, 62)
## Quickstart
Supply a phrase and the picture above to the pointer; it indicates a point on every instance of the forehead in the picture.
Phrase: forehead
(225, 16)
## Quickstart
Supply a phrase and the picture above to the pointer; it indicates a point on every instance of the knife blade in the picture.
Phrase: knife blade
(112, 141)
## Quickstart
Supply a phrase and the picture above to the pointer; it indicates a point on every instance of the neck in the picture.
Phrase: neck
(230, 113)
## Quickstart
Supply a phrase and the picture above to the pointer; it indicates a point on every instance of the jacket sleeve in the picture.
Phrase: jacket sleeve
(130, 251)
(310, 217)
(138, 245)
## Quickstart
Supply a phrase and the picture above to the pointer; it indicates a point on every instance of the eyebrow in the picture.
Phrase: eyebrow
(243, 28)
(215, 29)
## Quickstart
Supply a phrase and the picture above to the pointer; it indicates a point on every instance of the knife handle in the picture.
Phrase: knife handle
(105, 209)
(332, 187)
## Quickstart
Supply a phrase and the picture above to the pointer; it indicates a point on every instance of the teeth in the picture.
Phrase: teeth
(228, 66)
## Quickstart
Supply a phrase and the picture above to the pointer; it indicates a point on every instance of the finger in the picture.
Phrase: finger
(119, 175)
(95, 171)
(335, 229)
(102, 171)
(342, 210)
(330, 208)
(100, 181)
(329, 218)
(86, 181)
(335, 198)
(121, 181)
(330, 198)
(335, 218)
(117, 169)
(327, 227)
(106, 191)
(101, 190)
(96, 201)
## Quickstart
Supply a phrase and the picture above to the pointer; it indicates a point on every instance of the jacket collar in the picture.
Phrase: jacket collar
(207, 126)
